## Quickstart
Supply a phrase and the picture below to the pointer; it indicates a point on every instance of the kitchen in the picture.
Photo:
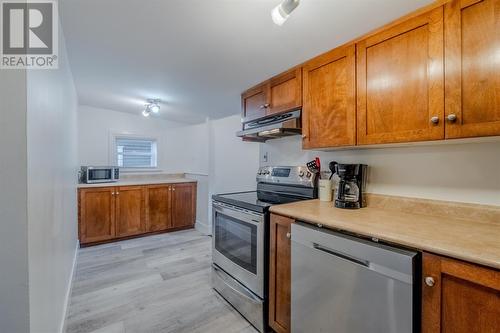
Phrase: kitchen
(342, 182)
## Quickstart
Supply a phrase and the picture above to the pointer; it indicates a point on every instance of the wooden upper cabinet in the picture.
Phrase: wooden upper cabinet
(130, 210)
(459, 297)
(285, 92)
(97, 214)
(254, 102)
(329, 110)
(472, 35)
(183, 205)
(159, 207)
(400, 82)
(280, 274)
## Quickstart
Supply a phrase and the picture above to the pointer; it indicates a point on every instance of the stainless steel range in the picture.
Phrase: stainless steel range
(241, 237)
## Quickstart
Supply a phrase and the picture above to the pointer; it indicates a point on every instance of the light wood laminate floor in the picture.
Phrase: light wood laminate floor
(153, 284)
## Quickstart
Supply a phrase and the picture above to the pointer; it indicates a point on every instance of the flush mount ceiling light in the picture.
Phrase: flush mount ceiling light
(153, 106)
(281, 12)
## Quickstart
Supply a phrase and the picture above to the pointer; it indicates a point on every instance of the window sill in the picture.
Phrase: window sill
(140, 170)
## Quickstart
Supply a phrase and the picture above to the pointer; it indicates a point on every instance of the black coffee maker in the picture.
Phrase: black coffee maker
(350, 191)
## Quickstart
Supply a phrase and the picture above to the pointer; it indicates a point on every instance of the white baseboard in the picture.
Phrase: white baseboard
(203, 228)
(62, 328)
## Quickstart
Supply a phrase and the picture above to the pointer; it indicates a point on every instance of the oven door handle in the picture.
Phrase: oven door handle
(243, 292)
(252, 218)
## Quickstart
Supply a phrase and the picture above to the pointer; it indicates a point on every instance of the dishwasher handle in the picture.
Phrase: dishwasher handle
(344, 256)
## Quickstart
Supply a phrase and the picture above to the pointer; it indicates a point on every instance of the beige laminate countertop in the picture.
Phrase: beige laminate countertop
(477, 241)
(131, 182)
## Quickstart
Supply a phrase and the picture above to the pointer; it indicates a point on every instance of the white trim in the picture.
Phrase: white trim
(203, 228)
(197, 174)
(62, 326)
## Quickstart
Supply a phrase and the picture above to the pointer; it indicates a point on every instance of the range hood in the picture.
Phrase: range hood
(272, 127)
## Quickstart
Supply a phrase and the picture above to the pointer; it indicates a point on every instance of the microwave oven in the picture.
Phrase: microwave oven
(99, 174)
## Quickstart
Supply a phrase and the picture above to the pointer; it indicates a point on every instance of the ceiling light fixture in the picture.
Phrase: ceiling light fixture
(153, 106)
(281, 12)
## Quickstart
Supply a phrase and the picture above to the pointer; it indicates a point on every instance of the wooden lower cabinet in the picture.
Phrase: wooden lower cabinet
(130, 210)
(109, 213)
(96, 214)
(159, 207)
(183, 205)
(280, 273)
(459, 297)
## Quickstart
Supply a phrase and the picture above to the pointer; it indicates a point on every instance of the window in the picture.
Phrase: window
(135, 152)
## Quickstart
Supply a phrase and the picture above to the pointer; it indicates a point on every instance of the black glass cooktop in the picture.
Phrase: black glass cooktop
(247, 200)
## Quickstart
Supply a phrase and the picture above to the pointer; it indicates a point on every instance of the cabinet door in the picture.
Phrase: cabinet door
(401, 82)
(97, 214)
(254, 102)
(460, 298)
(280, 274)
(472, 68)
(329, 111)
(159, 207)
(130, 211)
(285, 92)
(183, 205)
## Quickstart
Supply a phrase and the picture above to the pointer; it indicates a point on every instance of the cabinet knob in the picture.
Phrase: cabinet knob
(304, 136)
(117, 193)
(429, 281)
(435, 120)
(452, 118)
(112, 193)
(288, 235)
(267, 105)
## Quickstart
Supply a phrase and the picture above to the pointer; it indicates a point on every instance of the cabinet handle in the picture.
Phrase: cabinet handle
(435, 120)
(452, 118)
(288, 235)
(429, 281)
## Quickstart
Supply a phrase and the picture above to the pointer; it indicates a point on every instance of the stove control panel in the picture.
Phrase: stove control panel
(291, 175)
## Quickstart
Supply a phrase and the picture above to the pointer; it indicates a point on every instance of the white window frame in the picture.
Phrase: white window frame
(113, 154)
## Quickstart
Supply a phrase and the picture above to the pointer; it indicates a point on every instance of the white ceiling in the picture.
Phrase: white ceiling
(198, 55)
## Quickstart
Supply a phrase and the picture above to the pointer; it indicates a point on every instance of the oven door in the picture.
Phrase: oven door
(238, 245)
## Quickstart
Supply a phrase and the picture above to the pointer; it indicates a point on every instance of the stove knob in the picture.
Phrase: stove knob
(267, 172)
(301, 173)
(309, 174)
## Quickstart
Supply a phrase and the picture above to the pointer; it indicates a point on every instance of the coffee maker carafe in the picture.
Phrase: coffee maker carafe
(350, 191)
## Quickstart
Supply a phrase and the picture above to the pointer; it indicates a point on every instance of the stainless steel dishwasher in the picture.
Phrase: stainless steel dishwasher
(345, 284)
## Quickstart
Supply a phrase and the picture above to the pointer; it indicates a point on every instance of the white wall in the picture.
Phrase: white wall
(14, 296)
(95, 127)
(234, 163)
(52, 205)
(462, 172)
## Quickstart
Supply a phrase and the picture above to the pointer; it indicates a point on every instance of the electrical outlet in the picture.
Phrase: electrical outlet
(264, 158)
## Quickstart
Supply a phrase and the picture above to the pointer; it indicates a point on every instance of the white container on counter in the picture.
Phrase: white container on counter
(325, 190)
